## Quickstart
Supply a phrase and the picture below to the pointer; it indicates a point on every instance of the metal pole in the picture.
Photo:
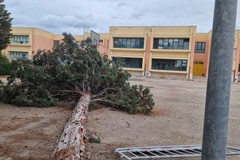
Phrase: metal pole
(219, 81)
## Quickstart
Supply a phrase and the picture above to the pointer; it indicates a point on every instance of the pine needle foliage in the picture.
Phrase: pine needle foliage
(68, 72)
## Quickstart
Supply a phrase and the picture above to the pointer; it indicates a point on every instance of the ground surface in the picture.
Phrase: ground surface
(177, 118)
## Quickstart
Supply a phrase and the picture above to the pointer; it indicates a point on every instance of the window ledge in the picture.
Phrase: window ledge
(168, 71)
(133, 69)
(19, 44)
(127, 49)
(170, 50)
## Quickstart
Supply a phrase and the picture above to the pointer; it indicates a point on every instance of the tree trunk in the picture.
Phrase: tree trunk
(71, 145)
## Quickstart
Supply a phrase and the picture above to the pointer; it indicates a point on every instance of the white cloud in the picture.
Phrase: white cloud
(70, 16)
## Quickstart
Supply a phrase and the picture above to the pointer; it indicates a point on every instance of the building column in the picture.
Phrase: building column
(147, 55)
(190, 72)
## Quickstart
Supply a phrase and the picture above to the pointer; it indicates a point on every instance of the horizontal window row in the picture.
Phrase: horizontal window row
(171, 43)
(18, 55)
(19, 39)
(159, 43)
(128, 43)
(157, 64)
(169, 64)
(129, 62)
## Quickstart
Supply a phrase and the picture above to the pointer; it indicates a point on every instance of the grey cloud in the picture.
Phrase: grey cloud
(66, 21)
(121, 4)
(137, 15)
(72, 15)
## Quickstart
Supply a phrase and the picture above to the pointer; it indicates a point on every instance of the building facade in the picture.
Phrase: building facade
(25, 42)
(154, 51)
(157, 51)
(166, 51)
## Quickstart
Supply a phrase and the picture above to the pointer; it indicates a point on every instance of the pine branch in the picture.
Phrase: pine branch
(102, 92)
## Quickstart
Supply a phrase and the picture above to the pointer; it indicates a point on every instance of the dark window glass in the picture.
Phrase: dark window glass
(169, 64)
(128, 43)
(239, 68)
(200, 47)
(170, 43)
(129, 62)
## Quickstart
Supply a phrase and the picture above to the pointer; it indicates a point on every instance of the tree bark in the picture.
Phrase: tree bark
(71, 145)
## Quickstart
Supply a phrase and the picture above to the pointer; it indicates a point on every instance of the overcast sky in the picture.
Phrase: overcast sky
(72, 16)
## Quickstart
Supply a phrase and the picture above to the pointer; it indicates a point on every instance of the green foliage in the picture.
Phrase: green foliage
(133, 99)
(70, 71)
(5, 26)
(5, 65)
(27, 86)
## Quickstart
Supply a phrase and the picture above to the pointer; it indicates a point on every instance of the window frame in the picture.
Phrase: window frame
(19, 39)
(180, 65)
(18, 55)
(200, 47)
(134, 66)
(171, 43)
(128, 42)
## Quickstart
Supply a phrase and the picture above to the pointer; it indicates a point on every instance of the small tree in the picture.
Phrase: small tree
(5, 26)
(76, 73)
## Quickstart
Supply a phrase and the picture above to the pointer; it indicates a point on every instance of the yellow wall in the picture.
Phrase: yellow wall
(147, 53)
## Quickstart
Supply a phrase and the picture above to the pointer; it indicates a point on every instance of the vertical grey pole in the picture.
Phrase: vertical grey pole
(219, 81)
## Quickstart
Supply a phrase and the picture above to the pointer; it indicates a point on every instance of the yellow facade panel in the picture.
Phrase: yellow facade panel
(21, 30)
(201, 37)
(127, 54)
(174, 30)
(170, 55)
(129, 31)
(19, 48)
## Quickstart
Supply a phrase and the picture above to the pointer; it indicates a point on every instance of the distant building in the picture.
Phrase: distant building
(166, 51)
(26, 41)
(159, 51)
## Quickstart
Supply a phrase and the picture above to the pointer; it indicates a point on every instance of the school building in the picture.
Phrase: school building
(157, 51)
(166, 51)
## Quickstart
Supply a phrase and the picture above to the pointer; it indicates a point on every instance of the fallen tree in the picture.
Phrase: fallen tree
(72, 142)
(79, 75)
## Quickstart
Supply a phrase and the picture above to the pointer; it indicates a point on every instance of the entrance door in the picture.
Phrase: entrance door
(198, 69)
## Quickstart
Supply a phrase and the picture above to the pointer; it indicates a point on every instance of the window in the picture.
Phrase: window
(239, 68)
(128, 43)
(18, 55)
(100, 41)
(171, 43)
(129, 62)
(200, 47)
(19, 39)
(169, 64)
